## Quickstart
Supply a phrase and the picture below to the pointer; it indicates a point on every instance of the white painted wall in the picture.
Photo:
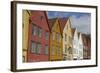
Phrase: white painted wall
(80, 47)
(65, 42)
(75, 45)
(5, 38)
(67, 31)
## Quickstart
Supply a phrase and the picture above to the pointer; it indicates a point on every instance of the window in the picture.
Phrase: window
(38, 48)
(65, 48)
(53, 50)
(57, 37)
(65, 37)
(39, 32)
(33, 47)
(58, 49)
(75, 51)
(80, 53)
(70, 50)
(74, 42)
(47, 35)
(80, 46)
(46, 49)
(53, 36)
(69, 39)
(23, 58)
(34, 30)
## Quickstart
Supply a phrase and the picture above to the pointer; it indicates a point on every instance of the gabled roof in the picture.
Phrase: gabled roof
(51, 22)
(84, 39)
(62, 22)
(47, 20)
(78, 34)
(73, 31)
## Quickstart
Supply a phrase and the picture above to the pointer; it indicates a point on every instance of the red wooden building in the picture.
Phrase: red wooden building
(89, 46)
(86, 46)
(38, 44)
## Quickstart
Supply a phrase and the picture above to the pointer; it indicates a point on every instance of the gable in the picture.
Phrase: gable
(63, 22)
(76, 35)
(68, 24)
(57, 27)
(80, 39)
(51, 22)
(40, 19)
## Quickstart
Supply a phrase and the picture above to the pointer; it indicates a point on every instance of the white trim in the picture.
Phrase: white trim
(21, 65)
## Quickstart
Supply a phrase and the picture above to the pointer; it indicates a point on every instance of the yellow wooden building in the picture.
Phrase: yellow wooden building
(69, 55)
(56, 42)
(67, 38)
(25, 30)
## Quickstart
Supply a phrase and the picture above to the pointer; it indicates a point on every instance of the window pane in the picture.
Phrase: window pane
(38, 48)
(70, 50)
(34, 30)
(46, 49)
(65, 48)
(57, 37)
(53, 35)
(58, 50)
(53, 50)
(47, 35)
(39, 32)
(33, 47)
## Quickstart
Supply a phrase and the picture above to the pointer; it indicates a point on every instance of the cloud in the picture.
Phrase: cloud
(83, 23)
(53, 14)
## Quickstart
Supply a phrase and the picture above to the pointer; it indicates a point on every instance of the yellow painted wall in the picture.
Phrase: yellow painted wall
(25, 26)
(55, 56)
(68, 42)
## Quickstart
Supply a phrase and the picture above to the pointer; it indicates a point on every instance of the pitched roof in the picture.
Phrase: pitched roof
(78, 34)
(62, 22)
(73, 31)
(47, 19)
(51, 22)
(84, 38)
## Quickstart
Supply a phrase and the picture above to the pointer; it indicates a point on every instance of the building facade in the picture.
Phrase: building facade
(86, 46)
(80, 47)
(25, 30)
(89, 46)
(75, 44)
(56, 48)
(67, 38)
(38, 44)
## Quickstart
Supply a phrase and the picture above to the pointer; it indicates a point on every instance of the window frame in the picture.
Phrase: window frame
(33, 50)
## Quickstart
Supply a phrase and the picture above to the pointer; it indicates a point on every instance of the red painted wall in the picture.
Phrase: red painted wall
(36, 19)
(89, 47)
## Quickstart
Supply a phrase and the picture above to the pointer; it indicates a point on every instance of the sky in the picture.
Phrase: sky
(80, 21)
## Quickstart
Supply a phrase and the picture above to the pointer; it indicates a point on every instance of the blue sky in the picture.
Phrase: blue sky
(81, 21)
